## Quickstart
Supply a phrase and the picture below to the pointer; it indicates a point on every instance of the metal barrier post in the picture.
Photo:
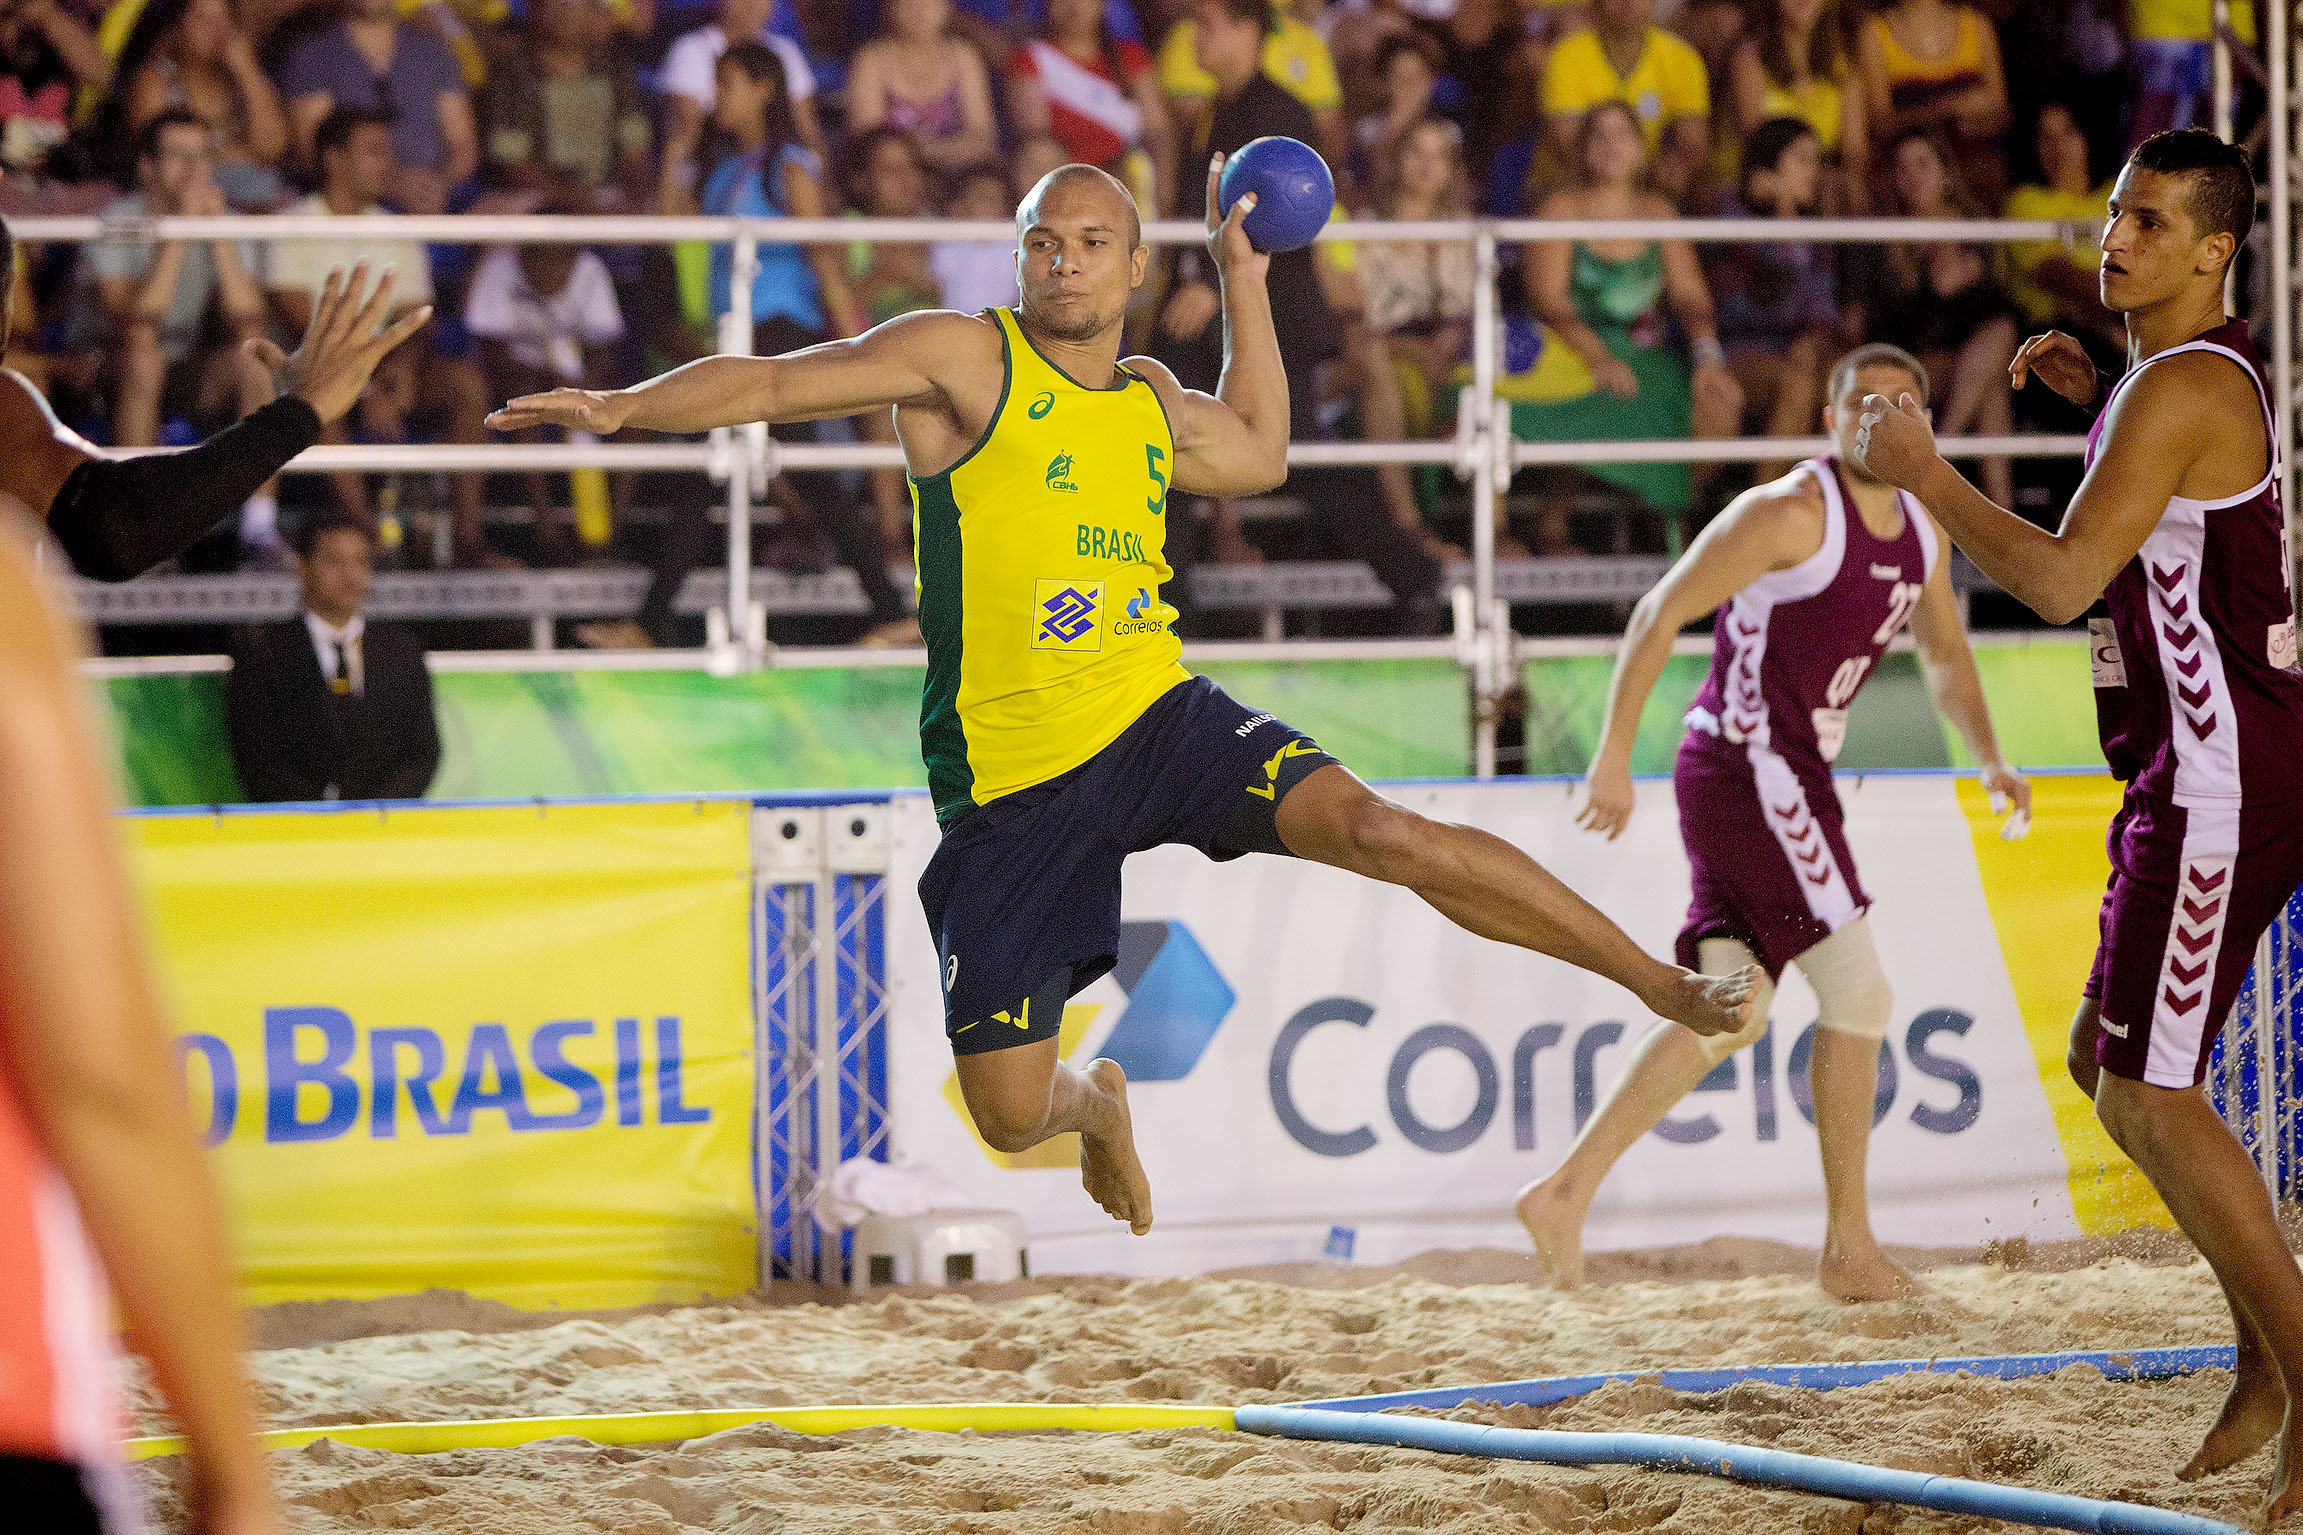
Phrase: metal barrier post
(2221, 77)
(2277, 43)
(1491, 481)
(788, 1056)
(745, 459)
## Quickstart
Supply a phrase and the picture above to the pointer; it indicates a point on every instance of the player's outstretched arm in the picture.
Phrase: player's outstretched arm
(898, 363)
(1769, 527)
(118, 518)
(1233, 442)
(2162, 423)
(82, 1029)
(1948, 663)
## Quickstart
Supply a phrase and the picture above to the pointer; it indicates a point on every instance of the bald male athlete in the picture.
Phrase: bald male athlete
(1060, 729)
(2173, 545)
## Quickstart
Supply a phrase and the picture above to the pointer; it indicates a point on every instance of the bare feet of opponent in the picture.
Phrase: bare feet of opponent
(1554, 1221)
(1109, 1168)
(2253, 1413)
(1860, 1272)
(1711, 1004)
(2286, 1493)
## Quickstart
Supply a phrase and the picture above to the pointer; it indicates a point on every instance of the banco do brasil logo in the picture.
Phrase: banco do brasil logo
(1070, 614)
(1060, 473)
(1042, 403)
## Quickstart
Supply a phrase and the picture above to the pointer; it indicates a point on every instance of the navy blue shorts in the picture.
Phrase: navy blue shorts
(1023, 894)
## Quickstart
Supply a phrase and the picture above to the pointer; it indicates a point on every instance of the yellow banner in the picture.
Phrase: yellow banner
(501, 1050)
(2043, 893)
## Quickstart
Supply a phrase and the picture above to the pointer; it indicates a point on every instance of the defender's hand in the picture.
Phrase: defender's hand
(1227, 237)
(342, 345)
(1607, 800)
(598, 411)
(2061, 363)
(2010, 795)
(1893, 441)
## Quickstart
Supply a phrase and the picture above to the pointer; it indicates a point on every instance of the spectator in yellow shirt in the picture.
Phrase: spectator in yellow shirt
(1623, 56)
(2055, 285)
(1294, 56)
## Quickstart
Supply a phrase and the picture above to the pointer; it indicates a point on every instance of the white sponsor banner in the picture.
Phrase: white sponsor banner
(1372, 1066)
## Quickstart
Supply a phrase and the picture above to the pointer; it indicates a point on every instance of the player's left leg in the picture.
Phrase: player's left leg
(1855, 1002)
(1670, 1062)
(1486, 886)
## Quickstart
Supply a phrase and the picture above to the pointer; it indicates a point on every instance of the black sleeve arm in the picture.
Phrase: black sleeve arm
(118, 518)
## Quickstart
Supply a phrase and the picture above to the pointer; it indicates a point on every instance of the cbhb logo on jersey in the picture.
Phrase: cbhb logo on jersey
(1060, 473)
(1176, 1001)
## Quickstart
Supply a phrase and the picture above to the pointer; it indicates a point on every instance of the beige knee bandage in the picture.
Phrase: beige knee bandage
(1725, 956)
(1851, 990)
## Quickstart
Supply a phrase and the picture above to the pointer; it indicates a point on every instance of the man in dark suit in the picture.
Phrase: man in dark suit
(327, 705)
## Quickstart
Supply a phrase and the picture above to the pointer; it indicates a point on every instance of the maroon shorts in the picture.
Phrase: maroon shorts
(2191, 890)
(1766, 856)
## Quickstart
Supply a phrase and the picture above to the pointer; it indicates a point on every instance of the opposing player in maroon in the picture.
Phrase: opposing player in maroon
(1813, 576)
(2176, 527)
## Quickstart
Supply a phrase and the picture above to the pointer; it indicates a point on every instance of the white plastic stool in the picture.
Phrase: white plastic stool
(940, 1247)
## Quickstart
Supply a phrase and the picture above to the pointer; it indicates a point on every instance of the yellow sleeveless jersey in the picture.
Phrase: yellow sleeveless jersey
(1041, 554)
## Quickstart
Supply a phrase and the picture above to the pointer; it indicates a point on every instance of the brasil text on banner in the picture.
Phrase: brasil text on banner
(502, 1050)
(1308, 1048)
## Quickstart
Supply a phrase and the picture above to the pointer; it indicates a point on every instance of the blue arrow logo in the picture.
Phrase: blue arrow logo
(1176, 1000)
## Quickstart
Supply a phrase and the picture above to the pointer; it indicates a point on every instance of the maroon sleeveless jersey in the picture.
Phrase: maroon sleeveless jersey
(2196, 696)
(1790, 651)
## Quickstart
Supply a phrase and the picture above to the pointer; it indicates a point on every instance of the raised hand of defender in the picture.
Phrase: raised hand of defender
(1893, 440)
(342, 346)
(1607, 800)
(1227, 238)
(598, 411)
(2060, 362)
(2010, 795)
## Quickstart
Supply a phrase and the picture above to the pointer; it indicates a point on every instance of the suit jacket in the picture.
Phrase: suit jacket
(294, 739)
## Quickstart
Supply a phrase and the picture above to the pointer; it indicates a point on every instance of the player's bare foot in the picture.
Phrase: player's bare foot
(2252, 1413)
(1109, 1168)
(1860, 1272)
(2286, 1496)
(1554, 1222)
(1711, 1004)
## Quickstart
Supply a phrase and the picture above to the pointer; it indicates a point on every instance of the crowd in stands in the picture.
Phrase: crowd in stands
(901, 108)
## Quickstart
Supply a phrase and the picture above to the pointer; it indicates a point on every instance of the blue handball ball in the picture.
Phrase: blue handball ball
(1294, 194)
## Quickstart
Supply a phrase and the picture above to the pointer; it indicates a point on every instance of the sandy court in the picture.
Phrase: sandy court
(1232, 1340)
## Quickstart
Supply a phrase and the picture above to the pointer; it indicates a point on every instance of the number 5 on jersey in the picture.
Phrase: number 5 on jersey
(1155, 459)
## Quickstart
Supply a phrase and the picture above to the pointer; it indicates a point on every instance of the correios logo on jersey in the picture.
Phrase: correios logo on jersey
(1141, 612)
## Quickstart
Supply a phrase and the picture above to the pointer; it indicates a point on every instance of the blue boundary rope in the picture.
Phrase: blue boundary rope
(2117, 1364)
(1747, 1463)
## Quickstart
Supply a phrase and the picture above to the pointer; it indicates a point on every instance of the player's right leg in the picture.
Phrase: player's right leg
(1854, 1003)
(2191, 890)
(1672, 1059)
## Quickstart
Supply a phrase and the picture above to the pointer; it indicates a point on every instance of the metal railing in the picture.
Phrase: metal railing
(744, 459)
